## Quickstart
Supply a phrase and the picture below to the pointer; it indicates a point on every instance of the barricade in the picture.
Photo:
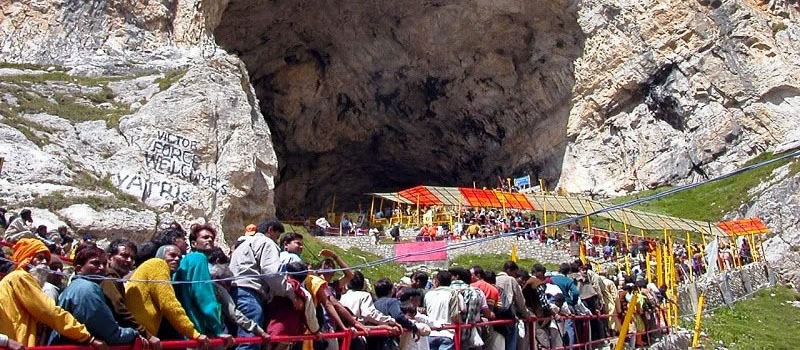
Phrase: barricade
(348, 335)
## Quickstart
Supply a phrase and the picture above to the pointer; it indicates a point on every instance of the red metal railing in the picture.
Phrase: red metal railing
(346, 336)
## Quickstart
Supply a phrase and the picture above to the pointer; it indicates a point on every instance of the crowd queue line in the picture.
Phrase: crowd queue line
(161, 290)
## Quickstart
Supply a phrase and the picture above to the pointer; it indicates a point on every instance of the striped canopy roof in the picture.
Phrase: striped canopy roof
(472, 197)
(743, 227)
(458, 196)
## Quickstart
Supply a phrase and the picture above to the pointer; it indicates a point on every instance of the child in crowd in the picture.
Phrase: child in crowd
(424, 325)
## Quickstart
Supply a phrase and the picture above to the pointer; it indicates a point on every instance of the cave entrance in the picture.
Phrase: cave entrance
(379, 96)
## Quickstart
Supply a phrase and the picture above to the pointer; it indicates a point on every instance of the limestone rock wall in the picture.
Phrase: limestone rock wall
(133, 117)
(779, 206)
(670, 91)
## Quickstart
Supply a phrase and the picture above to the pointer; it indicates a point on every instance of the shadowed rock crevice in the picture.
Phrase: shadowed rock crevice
(378, 96)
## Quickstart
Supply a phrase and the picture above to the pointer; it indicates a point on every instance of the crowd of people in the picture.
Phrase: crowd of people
(472, 223)
(20, 225)
(181, 285)
(690, 259)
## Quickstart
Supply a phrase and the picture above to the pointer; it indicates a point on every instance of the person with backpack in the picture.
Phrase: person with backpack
(497, 336)
(536, 300)
(475, 306)
(512, 301)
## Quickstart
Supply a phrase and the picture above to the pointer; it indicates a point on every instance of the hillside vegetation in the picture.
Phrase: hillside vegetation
(353, 257)
(494, 262)
(767, 321)
(710, 202)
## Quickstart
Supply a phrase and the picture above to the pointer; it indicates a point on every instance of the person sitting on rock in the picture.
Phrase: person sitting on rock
(84, 299)
(20, 227)
(26, 307)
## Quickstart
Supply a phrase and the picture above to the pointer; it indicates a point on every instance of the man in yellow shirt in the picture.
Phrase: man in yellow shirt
(25, 305)
(473, 230)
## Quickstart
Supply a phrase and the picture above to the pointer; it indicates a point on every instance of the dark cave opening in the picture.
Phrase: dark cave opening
(370, 97)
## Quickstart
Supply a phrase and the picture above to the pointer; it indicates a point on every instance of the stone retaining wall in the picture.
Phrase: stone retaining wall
(725, 288)
(525, 249)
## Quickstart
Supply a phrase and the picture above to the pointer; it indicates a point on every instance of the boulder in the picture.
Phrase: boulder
(111, 223)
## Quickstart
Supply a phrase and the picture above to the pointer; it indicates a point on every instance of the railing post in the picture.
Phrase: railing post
(456, 337)
(265, 343)
(137, 344)
(534, 343)
(348, 338)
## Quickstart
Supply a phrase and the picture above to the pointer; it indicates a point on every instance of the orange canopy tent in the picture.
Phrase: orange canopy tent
(459, 196)
(743, 227)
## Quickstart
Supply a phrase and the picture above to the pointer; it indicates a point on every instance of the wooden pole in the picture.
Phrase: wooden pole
(588, 225)
(627, 241)
(628, 264)
(623, 331)
(701, 303)
(418, 213)
(755, 256)
(544, 209)
(372, 212)
(660, 264)
(689, 254)
(582, 252)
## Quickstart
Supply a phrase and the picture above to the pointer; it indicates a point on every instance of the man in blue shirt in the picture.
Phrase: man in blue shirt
(84, 299)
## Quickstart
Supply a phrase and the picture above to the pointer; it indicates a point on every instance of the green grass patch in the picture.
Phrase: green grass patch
(28, 79)
(494, 262)
(352, 256)
(30, 66)
(57, 201)
(85, 181)
(764, 322)
(26, 131)
(25, 126)
(710, 202)
(170, 78)
(67, 107)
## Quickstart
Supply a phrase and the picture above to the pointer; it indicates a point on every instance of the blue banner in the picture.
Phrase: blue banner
(524, 181)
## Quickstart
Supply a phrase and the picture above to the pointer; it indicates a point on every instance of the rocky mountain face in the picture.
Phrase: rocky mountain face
(132, 120)
(220, 110)
(668, 92)
(373, 96)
